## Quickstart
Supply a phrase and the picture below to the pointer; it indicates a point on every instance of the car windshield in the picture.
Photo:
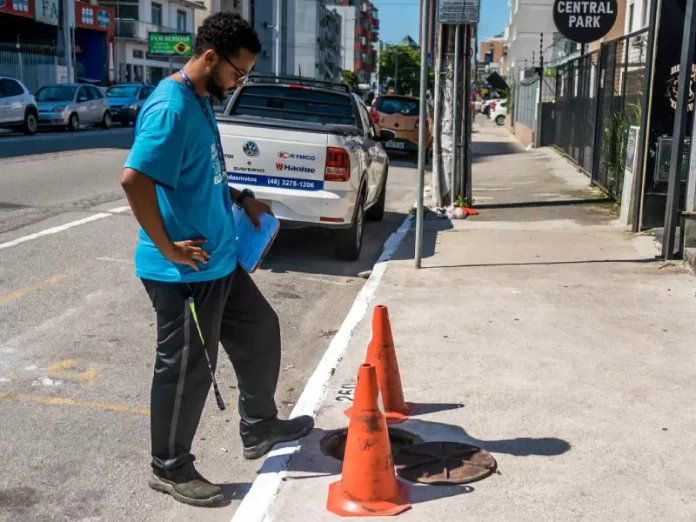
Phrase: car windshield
(288, 103)
(56, 93)
(405, 106)
(122, 91)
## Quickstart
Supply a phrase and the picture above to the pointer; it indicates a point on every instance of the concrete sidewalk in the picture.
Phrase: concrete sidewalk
(569, 346)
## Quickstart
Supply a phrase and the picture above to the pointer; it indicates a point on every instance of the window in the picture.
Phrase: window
(10, 88)
(286, 103)
(181, 20)
(630, 17)
(95, 93)
(139, 54)
(83, 95)
(144, 93)
(56, 93)
(645, 14)
(404, 106)
(156, 13)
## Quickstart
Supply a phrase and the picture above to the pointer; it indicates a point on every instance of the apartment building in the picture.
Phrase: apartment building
(136, 59)
(360, 29)
(242, 7)
(529, 19)
(310, 43)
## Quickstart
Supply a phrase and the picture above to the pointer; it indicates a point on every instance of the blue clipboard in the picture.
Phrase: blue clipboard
(253, 244)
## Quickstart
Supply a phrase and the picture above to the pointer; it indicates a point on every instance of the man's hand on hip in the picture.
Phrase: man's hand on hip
(188, 253)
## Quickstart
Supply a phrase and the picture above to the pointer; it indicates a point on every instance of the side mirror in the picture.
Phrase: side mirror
(386, 135)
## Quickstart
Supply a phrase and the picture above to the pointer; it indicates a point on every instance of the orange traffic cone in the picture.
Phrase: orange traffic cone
(368, 485)
(382, 354)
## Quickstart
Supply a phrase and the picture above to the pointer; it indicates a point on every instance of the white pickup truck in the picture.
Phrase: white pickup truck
(308, 149)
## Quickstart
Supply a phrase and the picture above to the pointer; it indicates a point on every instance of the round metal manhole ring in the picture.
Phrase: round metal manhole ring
(444, 463)
(334, 444)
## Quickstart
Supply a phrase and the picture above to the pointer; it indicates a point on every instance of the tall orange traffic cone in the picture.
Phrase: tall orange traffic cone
(368, 485)
(381, 353)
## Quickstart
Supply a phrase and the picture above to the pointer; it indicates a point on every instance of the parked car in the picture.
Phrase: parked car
(17, 107)
(498, 111)
(486, 105)
(400, 114)
(126, 100)
(69, 105)
(309, 150)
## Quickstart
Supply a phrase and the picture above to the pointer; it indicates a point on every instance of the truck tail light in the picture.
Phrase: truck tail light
(337, 164)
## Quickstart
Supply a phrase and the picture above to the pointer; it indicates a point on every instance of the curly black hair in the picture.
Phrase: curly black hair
(226, 33)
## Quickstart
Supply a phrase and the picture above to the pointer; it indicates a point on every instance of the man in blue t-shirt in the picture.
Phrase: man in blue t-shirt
(176, 184)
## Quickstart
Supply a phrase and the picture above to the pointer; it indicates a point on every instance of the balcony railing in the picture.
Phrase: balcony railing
(136, 30)
(373, 36)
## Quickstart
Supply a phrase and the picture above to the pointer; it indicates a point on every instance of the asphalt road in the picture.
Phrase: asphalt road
(77, 337)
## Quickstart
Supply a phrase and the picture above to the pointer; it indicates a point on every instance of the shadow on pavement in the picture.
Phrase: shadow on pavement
(431, 407)
(645, 260)
(116, 138)
(310, 250)
(541, 204)
(233, 491)
(432, 226)
(482, 149)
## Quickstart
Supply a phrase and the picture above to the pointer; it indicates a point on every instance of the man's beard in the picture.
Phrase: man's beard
(214, 88)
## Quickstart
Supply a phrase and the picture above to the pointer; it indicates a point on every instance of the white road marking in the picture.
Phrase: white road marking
(114, 260)
(255, 505)
(62, 228)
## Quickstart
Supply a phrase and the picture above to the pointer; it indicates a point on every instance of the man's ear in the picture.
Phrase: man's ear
(210, 58)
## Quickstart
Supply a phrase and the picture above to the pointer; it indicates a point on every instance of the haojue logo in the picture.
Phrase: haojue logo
(288, 155)
(293, 168)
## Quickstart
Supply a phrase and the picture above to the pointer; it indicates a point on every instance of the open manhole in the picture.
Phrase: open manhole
(444, 463)
(334, 444)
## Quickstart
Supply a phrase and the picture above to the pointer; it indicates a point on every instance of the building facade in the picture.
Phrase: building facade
(242, 7)
(152, 39)
(529, 19)
(33, 48)
(359, 34)
(310, 43)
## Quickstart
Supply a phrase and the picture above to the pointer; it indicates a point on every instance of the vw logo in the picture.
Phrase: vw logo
(251, 149)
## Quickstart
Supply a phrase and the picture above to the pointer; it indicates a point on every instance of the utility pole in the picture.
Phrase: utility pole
(21, 65)
(455, 113)
(67, 39)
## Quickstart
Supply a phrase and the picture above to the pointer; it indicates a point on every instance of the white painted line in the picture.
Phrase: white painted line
(61, 228)
(255, 505)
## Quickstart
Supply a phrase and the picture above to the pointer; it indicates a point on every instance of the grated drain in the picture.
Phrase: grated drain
(444, 463)
(334, 444)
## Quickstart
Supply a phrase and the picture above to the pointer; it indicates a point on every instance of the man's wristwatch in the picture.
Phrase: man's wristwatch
(246, 193)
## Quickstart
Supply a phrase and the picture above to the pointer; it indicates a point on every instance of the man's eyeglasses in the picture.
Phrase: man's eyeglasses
(242, 77)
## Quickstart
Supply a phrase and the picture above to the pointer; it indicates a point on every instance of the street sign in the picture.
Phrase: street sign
(169, 44)
(456, 12)
(584, 21)
(47, 11)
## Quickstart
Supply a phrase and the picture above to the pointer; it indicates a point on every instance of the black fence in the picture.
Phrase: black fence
(598, 98)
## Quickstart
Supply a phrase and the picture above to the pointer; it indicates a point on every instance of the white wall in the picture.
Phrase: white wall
(641, 15)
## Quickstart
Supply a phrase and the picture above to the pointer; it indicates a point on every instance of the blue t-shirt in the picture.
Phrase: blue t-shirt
(175, 146)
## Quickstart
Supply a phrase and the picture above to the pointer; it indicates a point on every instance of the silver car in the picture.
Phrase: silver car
(70, 105)
(17, 106)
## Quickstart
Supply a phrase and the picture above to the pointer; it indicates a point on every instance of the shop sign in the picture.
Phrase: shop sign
(673, 87)
(89, 16)
(584, 21)
(169, 44)
(23, 8)
(47, 11)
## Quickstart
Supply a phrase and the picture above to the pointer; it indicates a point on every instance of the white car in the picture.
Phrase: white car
(310, 150)
(498, 111)
(17, 107)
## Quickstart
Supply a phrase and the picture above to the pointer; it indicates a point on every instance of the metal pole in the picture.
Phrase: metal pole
(680, 117)
(425, 12)
(67, 38)
(539, 112)
(277, 34)
(21, 65)
(643, 134)
(437, 124)
(455, 110)
(467, 119)
(396, 70)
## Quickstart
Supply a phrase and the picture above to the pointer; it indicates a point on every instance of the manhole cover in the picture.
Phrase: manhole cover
(334, 444)
(443, 463)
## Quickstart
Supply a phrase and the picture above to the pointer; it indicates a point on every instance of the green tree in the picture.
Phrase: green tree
(350, 78)
(403, 62)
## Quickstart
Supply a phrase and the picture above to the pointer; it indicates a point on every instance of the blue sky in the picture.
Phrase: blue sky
(397, 18)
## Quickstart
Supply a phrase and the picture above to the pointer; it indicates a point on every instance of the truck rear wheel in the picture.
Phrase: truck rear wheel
(348, 242)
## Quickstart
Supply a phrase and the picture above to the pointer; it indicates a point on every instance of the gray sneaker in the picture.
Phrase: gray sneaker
(186, 485)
